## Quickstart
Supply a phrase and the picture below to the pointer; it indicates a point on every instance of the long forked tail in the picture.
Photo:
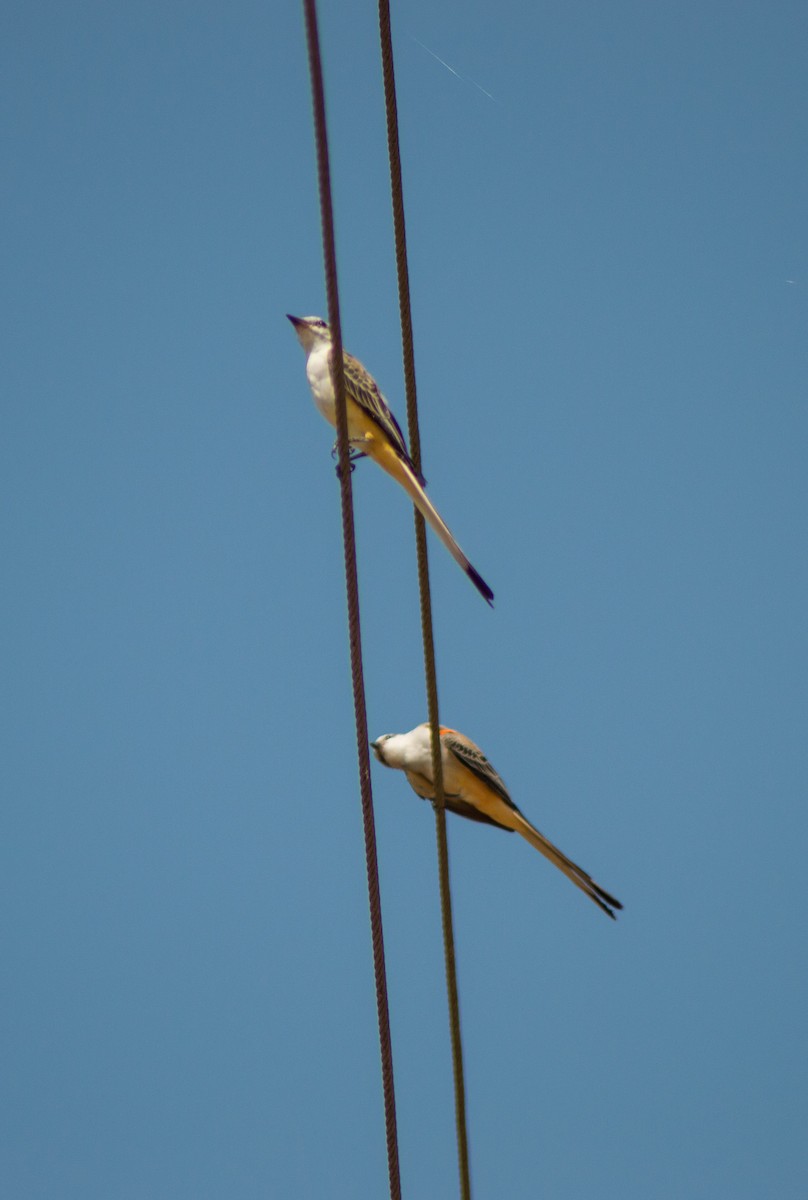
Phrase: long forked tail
(580, 878)
(403, 473)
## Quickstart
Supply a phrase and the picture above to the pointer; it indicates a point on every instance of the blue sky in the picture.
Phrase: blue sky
(609, 271)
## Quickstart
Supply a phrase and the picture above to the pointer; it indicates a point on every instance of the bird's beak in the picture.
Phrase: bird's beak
(376, 750)
(296, 321)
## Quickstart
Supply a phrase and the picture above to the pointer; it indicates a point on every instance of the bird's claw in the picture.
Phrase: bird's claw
(353, 456)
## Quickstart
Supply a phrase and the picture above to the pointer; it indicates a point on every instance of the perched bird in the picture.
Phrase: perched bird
(372, 429)
(473, 789)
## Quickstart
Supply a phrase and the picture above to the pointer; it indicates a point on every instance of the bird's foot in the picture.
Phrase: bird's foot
(353, 455)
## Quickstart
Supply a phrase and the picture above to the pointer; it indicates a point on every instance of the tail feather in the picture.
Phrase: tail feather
(480, 584)
(580, 878)
(401, 471)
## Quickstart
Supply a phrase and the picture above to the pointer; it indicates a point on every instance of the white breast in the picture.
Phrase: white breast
(414, 750)
(319, 378)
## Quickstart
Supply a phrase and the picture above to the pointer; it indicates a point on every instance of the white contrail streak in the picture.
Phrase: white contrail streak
(464, 78)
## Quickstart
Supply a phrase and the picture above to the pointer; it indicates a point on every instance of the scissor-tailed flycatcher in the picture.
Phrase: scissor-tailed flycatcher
(372, 428)
(473, 789)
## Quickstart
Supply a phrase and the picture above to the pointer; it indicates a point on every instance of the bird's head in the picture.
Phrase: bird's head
(310, 331)
(404, 750)
(378, 747)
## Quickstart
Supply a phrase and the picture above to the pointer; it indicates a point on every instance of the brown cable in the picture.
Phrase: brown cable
(397, 192)
(352, 590)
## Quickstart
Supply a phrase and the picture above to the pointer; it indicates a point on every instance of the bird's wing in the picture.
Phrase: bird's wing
(363, 389)
(471, 756)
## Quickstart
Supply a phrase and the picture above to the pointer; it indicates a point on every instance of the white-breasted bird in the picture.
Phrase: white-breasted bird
(372, 429)
(472, 788)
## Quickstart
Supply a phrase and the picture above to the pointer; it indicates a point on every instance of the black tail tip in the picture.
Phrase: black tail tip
(480, 584)
(607, 903)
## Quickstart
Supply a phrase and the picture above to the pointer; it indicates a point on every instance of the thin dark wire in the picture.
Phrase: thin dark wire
(352, 590)
(430, 673)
